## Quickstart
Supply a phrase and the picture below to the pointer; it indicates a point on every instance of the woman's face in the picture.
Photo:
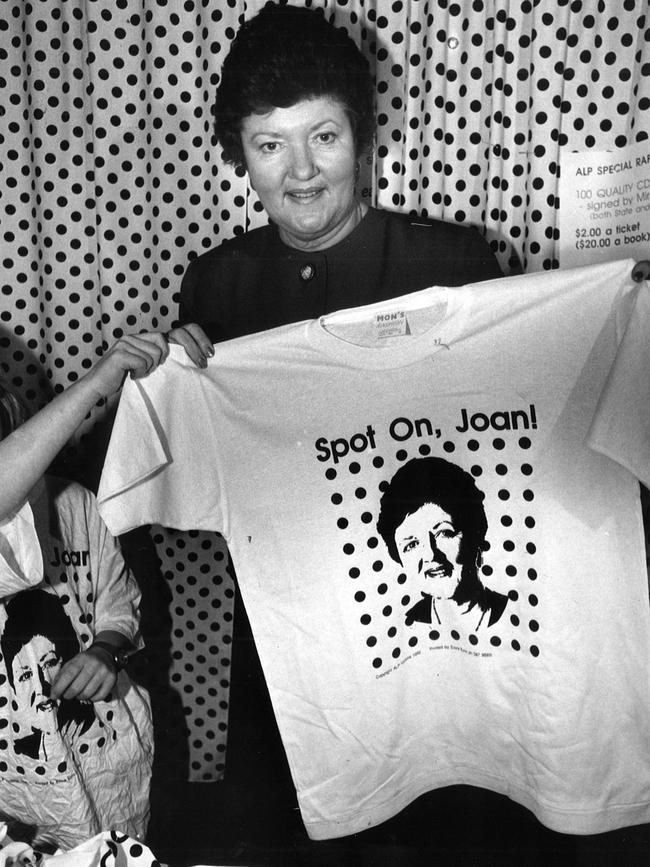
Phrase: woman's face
(34, 668)
(301, 161)
(428, 545)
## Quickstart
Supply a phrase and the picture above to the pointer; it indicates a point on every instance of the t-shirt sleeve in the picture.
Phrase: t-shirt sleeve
(116, 597)
(621, 426)
(21, 562)
(161, 462)
(136, 452)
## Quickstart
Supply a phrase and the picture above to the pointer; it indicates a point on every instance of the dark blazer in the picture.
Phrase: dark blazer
(255, 282)
(488, 602)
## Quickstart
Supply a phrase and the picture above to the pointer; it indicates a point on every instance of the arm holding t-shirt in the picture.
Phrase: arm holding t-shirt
(26, 453)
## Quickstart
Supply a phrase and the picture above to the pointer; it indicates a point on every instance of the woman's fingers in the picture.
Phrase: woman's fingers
(142, 353)
(641, 270)
(194, 341)
(134, 354)
(86, 676)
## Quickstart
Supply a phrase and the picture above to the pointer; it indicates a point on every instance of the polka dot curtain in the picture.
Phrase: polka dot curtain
(477, 99)
(110, 182)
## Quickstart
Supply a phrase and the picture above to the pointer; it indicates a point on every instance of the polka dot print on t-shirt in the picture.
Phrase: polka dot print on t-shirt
(384, 591)
(110, 181)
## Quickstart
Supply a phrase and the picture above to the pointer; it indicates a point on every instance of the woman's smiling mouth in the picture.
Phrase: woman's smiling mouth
(437, 572)
(304, 195)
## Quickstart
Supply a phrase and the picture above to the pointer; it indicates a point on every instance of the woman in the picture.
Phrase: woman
(76, 756)
(295, 110)
(434, 525)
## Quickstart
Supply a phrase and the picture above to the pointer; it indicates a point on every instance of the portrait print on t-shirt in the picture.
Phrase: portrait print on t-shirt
(438, 525)
(432, 521)
(36, 641)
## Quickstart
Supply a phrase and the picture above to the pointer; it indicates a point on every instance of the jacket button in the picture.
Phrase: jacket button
(307, 273)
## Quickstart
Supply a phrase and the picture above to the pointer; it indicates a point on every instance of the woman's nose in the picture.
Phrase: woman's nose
(302, 166)
(45, 684)
(433, 547)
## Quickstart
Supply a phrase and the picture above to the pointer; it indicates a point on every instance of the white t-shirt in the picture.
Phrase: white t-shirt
(533, 390)
(72, 769)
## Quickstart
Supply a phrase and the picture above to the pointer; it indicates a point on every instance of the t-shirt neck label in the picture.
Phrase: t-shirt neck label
(391, 324)
(394, 333)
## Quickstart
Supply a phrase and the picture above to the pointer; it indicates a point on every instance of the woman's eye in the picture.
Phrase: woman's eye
(269, 147)
(408, 546)
(326, 137)
(25, 675)
(447, 533)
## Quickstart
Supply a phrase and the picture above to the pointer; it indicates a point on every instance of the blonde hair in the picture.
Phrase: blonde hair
(13, 412)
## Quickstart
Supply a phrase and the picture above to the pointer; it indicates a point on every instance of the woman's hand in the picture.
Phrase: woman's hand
(641, 271)
(26, 454)
(88, 676)
(134, 354)
(194, 341)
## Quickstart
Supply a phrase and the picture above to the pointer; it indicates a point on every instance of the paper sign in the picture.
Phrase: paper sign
(604, 205)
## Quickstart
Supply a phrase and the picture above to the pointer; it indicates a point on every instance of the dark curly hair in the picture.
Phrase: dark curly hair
(37, 612)
(284, 55)
(434, 480)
